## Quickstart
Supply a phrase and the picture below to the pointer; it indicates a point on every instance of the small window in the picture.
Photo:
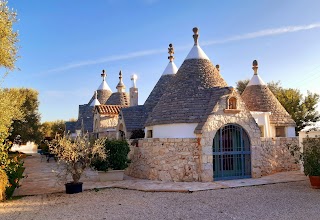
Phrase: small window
(261, 131)
(149, 134)
(232, 103)
(280, 131)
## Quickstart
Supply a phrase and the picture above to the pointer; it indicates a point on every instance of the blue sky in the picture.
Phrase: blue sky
(66, 44)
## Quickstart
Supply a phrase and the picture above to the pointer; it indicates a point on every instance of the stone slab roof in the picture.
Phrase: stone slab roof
(85, 118)
(134, 117)
(70, 126)
(108, 109)
(158, 91)
(118, 98)
(215, 95)
(259, 98)
(195, 89)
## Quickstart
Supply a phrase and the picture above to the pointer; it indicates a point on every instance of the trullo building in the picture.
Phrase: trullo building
(200, 129)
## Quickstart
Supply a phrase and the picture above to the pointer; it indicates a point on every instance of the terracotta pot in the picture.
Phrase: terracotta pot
(315, 182)
(111, 175)
(72, 188)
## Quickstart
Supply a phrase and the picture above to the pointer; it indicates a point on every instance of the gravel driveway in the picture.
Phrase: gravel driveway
(295, 200)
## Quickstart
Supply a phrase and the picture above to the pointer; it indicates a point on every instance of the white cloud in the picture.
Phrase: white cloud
(262, 33)
(265, 33)
(107, 59)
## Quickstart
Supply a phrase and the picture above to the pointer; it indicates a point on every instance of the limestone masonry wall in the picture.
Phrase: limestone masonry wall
(275, 156)
(166, 159)
(184, 159)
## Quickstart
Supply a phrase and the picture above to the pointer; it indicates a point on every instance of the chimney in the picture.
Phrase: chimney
(134, 91)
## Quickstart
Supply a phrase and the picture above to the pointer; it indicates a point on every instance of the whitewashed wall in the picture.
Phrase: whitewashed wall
(180, 130)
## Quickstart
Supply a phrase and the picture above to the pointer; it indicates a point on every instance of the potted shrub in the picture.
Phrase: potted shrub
(112, 167)
(75, 156)
(311, 160)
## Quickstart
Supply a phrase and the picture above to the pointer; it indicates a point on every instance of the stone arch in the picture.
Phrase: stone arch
(231, 153)
(218, 119)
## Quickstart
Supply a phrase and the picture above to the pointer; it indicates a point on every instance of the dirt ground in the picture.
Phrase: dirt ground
(295, 200)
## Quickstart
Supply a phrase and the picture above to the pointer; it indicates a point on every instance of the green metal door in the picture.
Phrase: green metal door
(231, 153)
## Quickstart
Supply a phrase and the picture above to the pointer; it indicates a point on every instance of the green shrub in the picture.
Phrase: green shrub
(117, 156)
(13, 166)
(311, 156)
(15, 174)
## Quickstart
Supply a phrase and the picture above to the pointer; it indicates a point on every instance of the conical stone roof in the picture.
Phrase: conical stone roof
(102, 96)
(258, 97)
(190, 93)
(163, 83)
(119, 98)
(104, 85)
(103, 92)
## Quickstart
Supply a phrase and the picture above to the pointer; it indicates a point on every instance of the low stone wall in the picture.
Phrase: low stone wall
(166, 159)
(275, 156)
(183, 159)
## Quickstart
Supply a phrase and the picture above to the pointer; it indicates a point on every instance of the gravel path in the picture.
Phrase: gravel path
(295, 200)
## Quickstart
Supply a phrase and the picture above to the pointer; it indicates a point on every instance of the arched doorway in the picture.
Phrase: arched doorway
(231, 153)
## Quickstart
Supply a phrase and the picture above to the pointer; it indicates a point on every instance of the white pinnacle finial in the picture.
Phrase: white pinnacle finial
(95, 94)
(196, 35)
(170, 52)
(121, 87)
(104, 85)
(255, 67)
(134, 78)
(103, 75)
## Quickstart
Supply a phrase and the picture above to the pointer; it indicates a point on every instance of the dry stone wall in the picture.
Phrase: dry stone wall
(166, 159)
(275, 156)
(184, 159)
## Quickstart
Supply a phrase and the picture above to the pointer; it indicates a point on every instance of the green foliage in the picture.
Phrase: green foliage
(8, 37)
(75, 155)
(53, 128)
(15, 173)
(28, 128)
(311, 156)
(13, 166)
(241, 85)
(117, 156)
(10, 104)
(137, 134)
(302, 109)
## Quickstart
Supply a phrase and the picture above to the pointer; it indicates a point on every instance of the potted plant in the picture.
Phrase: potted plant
(75, 156)
(310, 159)
(111, 168)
